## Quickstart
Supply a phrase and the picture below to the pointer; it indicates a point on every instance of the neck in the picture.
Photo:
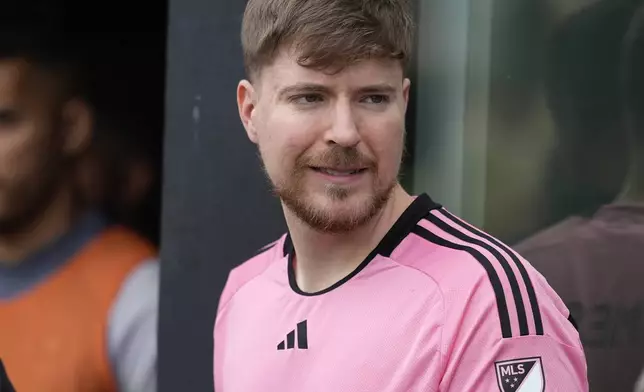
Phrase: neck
(324, 259)
(52, 223)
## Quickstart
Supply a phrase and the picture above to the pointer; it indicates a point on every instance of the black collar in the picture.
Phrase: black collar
(416, 211)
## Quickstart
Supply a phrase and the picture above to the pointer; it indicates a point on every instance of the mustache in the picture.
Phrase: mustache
(337, 157)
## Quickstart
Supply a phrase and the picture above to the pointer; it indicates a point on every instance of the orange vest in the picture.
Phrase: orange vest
(54, 337)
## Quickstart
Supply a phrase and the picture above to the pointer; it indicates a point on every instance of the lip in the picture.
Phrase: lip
(340, 176)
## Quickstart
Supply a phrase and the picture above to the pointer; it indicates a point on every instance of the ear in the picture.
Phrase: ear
(77, 124)
(140, 177)
(246, 103)
(405, 91)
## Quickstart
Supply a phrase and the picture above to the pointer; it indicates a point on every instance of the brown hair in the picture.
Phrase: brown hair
(326, 34)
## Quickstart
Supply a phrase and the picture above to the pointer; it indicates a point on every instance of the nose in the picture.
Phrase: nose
(343, 130)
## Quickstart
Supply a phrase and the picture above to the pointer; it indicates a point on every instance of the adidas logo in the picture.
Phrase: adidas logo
(302, 339)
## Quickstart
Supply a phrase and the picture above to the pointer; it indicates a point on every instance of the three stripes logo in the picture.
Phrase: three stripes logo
(302, 338)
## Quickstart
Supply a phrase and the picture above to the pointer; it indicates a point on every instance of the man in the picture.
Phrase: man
(371, 289)
(121, 168)
(582, 91)
(593, 261)
(78, 299)
(119, 173)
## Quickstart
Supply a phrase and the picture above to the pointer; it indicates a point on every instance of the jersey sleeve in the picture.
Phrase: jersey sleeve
(220, 331)
(526, 364)
(479, 358)
(237, 279)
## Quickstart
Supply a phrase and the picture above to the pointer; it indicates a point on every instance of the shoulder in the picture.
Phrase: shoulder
(480, 276)
(556, 250)
(142, 283)
(496, 305)
(251, 269)
(137, 300)
(552, 237)
(132, 329)
(456, 253)
(138, 296)
(257, 264)
(111, 262)
(116, 250)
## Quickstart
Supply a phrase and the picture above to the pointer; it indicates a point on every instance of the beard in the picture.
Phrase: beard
(24, 202)
(332, 219)
(27, 213)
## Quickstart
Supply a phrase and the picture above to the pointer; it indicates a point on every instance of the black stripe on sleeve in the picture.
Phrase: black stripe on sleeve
(516, 291)
(501, 304)
(534, 304)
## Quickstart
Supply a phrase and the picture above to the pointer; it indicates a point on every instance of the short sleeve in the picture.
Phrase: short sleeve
(219, 333)
(481, 359)
(132, 332)
(524, 364)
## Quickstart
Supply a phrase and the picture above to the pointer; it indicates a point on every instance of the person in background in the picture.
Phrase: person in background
(122, 166)
(78, 297)
(371, 289)
(119, 174)
(582, 92)
(593, 262)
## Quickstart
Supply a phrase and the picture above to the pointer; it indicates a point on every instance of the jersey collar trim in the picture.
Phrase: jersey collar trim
(416, 211)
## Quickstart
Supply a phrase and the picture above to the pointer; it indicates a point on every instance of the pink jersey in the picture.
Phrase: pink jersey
(438, 306)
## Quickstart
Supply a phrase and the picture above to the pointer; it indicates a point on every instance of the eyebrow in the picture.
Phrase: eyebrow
(301, 88)
(8, 111)
(309, 88)
(378, 89)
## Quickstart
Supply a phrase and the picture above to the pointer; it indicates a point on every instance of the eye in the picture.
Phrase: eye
(376, 99)
(307, 99)
(8, 117)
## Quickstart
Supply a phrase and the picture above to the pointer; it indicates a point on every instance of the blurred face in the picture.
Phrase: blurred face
(331, 144)
(30, 148)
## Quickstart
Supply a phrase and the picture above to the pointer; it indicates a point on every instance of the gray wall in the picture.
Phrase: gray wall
(217, 210)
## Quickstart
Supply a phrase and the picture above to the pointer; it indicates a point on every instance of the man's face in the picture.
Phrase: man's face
(30, 147)
(331, 144)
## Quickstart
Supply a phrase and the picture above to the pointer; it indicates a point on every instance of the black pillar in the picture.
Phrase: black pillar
(217, 210)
